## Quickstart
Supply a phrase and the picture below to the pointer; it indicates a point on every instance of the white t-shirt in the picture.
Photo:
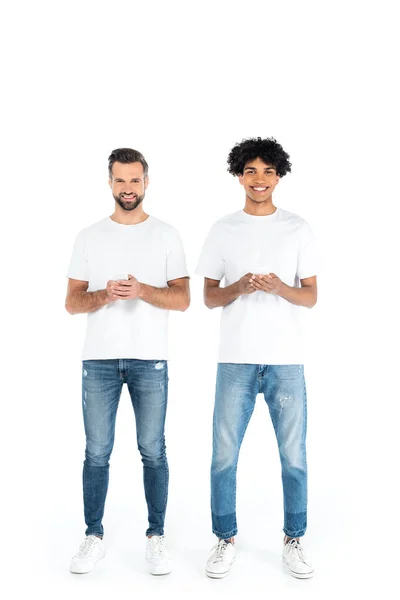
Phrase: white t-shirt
(152, 252)
(260, 328)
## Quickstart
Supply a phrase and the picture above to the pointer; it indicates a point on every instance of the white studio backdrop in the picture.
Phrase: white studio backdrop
(183, 83)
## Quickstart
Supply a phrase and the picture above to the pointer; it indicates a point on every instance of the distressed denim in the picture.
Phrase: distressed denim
(284, 390)
(102, 382)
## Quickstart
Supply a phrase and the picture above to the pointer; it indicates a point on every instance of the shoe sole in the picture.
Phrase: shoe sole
(80, 572)
(298, 575)
(214, 575)
(160, 572)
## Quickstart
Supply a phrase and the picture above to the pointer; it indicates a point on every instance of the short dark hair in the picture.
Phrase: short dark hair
(126, 156)
(268, 150)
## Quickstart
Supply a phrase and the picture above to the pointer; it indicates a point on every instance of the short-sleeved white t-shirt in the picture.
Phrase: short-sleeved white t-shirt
(260, 328)
(152, 252)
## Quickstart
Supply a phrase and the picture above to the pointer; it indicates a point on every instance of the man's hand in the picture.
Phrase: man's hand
(246, 284)
(268, 283)
(110, 294)
(125, 289)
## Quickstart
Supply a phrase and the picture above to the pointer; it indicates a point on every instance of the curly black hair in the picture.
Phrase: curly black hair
(268, 150)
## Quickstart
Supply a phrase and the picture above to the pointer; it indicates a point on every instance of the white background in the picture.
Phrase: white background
(183, 82)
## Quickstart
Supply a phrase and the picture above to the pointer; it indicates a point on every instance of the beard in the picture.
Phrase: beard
(128, 205)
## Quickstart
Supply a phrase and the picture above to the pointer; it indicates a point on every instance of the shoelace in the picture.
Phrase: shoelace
(219, 550)
(295, 548)
(156, 543)
(87, 546)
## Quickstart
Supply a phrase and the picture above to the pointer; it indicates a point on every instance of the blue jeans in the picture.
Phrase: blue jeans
(284, 391)
(102, 382)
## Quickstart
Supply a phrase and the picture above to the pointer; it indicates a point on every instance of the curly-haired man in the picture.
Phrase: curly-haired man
(268, 259)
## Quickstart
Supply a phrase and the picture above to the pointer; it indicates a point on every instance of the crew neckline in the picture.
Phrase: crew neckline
(260, 218)
(126, 225)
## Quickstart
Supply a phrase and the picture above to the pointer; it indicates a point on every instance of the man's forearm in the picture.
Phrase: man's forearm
(86, 302)
(170, 298)
(303, 296)
(214, 297)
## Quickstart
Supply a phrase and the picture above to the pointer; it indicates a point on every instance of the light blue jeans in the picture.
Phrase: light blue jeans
(102, 382)
(284, 390)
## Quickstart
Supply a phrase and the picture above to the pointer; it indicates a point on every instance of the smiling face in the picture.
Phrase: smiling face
(259, 180)
(128, 184)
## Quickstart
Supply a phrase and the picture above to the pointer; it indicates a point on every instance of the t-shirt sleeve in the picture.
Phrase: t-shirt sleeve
(308, 258)
(211, 263)
(78, 267)
(176, 261)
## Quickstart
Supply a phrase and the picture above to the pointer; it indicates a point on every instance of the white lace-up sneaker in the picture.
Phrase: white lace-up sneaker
(90, 551)
(221, 558)
(295, 559)
(157, 557)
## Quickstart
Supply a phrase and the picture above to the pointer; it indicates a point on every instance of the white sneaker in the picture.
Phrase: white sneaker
(221, 558)
(157, 557)
(294, 558)
(90, 551)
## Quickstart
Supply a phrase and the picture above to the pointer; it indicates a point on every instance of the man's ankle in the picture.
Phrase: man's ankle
(287, 539)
